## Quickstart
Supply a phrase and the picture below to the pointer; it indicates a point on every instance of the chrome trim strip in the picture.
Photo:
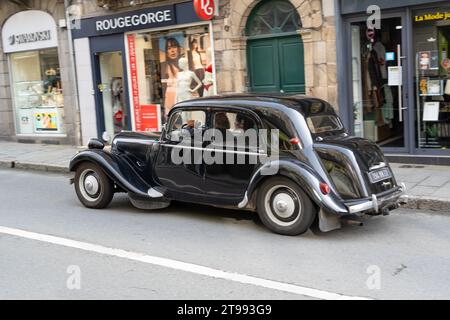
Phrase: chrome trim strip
(214, 150)
(244, 202)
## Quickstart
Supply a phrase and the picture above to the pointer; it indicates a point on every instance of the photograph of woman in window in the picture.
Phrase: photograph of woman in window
(196, 60)
(169, 71)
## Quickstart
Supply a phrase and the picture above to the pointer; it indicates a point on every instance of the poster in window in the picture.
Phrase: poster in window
(46, 120)
(424, 60)
(431, 111)
(171, 50)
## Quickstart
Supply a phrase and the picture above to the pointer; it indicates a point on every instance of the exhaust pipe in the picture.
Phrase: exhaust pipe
(352, 222)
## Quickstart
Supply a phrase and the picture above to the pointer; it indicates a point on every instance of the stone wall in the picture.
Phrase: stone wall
(7, 126)
(317, 32)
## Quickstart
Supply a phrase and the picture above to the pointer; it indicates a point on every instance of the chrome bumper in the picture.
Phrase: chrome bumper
(378, 202)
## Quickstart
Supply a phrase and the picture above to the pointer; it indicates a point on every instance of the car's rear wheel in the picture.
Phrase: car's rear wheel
(284, 208)
(93, 187)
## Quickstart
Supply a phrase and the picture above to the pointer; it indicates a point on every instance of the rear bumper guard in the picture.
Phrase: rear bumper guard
(378, 202)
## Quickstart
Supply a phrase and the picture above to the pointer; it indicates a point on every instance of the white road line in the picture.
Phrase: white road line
(179, 265)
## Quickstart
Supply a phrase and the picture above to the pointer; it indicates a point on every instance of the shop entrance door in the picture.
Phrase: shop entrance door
(110, 85)
(276, 65)
(379, 75)
(111, 89)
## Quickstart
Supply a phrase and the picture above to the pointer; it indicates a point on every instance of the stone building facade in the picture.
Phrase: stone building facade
(317, 32)
(8, 114)
(229, 38)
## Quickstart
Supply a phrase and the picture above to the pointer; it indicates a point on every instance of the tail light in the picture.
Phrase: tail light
(324, 188)
(295, 141)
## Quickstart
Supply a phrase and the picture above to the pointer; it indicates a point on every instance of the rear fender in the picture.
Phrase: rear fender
(305, 177)
(116, 169)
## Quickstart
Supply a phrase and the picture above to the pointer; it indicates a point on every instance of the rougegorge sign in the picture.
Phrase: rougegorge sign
(147, 18)
(134, 20)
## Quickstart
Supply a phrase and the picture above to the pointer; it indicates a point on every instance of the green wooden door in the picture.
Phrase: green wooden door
(276, 65)
(263, 65)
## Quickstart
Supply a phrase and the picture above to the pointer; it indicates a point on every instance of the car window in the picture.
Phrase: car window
(324, 123)
(186, 122)
(235, 125)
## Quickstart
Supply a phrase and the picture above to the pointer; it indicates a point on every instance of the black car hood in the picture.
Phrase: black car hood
(367, 153)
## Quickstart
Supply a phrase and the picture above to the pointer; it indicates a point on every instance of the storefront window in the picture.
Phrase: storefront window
(377, 106)
(432, 78)
(37, 90)
(166, 68)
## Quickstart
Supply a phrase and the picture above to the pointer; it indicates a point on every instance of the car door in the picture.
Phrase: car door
(178, 166)
(236, 147)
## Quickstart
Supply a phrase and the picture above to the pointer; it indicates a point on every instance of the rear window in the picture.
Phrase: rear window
(324, 123)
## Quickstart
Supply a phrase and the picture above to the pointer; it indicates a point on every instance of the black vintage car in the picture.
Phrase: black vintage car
(302, 165)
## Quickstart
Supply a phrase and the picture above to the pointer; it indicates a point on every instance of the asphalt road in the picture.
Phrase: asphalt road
(402, 256)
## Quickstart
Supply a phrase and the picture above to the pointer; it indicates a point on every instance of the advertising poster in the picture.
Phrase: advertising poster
(150, 118)
(46, 120)
(171, 50)
(189, 81)
(134, 81)
(424, 60)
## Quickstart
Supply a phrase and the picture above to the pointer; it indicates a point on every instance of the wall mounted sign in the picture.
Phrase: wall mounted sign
(205, 9)
(29, 30)
(148, 18)
(436, 16)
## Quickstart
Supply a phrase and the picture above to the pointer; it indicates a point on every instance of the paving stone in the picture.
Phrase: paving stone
(422, 191)
(443, 192)
(435, 181)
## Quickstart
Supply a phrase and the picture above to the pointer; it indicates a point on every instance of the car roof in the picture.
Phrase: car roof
(267, 102)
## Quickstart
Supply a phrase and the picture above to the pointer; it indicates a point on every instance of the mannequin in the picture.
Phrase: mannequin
(184, 80)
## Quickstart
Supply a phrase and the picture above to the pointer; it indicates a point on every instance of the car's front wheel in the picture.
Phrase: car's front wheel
(284, 208)
(93, 187)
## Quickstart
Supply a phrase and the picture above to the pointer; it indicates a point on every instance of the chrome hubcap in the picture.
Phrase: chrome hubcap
(89, 185)
(282, 205)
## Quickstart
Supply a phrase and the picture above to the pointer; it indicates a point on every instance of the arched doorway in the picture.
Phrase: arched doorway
(275, 49)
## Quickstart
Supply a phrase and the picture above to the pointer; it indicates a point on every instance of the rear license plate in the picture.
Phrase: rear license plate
(380, 175)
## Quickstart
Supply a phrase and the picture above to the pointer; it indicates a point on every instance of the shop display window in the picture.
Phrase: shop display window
(166, 68)
(37, 91)
(432, 80)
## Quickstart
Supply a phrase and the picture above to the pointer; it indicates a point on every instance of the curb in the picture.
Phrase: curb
(427, 203)
(33, 166)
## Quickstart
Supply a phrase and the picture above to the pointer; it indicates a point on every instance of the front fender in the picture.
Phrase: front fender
(116, 169)
(305, 177)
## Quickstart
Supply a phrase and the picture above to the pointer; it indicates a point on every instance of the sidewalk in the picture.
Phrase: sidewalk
(428, 186)
(42, 157)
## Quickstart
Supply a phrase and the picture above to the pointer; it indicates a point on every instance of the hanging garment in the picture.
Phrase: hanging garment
(381, 53)
(388, 106)
(374, 70)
